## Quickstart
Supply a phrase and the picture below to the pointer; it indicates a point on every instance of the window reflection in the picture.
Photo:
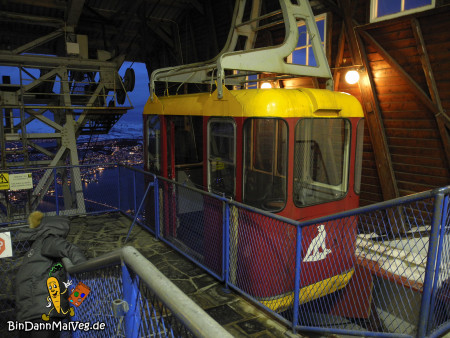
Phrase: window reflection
(265, 163)
(321, 160)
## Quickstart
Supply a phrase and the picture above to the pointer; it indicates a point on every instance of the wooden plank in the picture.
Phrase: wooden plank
(421, 170)
(371, 107)
(391, 43)
(339, 58)
(414, 187)
(389, 71)
(367, 198)
(402, 106)
(384, 82)
(371, 184)
(401, 157)
(403, 33)
(386, 26)
(383, 87)
(410, 124)
(395, 96)
(432, 88)
(432, 181)
(415, 143)
(424, 152)
(416, 134)
(407, 115)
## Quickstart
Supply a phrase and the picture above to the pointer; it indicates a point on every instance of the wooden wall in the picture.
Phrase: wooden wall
(406, 67)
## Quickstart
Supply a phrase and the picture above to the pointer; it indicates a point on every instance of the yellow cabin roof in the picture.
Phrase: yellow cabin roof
(302, 102)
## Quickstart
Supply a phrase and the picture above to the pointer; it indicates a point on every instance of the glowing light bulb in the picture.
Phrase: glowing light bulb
(266, 85)
(352, 77)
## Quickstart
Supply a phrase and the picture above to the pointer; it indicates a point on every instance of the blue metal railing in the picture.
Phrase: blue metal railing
(393, 255)
(135, 299)
(262, 256)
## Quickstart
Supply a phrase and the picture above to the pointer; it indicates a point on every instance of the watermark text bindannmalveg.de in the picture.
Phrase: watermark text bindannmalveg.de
(55, 326)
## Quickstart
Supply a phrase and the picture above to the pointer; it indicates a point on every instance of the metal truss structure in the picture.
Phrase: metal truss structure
(65, 97)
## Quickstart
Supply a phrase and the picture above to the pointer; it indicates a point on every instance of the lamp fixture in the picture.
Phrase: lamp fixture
(352, 76)
(266, 85)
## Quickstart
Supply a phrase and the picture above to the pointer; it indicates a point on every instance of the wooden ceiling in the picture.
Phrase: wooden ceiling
(404, 63)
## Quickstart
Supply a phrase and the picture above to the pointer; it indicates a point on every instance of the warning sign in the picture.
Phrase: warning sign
(5, 245)
(4, 181)
(20, 181)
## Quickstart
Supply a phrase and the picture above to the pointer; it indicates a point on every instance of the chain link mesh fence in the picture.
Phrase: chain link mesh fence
(367, 271)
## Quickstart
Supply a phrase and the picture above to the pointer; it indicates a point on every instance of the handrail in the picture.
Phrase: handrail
(188, 312)
(11, 170)
(353, 212)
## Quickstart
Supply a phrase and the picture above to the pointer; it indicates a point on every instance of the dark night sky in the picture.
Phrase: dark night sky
(130, 125)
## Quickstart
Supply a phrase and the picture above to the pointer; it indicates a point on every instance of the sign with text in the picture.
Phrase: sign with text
(20, 181)
(5, 245)
(4, 181)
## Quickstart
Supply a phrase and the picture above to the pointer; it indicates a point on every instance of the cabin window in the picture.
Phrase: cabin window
(265, 163)
(154, 143)
(303, 53)
(359, 153)
(184, 149)
(388, 9)
(221, 156)
(321, 160)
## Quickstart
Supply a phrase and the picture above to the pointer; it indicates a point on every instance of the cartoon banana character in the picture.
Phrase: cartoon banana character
(54, 298)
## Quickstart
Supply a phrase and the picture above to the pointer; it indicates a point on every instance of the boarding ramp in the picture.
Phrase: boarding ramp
(398, 278)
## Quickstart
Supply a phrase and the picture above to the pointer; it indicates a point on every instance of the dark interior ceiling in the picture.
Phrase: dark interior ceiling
(165, 32)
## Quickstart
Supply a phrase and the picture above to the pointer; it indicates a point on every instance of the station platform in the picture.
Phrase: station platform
(102, 233)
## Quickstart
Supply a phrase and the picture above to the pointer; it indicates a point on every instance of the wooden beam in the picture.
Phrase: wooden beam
(32, 19)
(161, 33)
(40, 41)
(371, 107)
(332, 6)
(193, 44)
(339, 58)
(197, 5)
(55, 4)
(75, 7)
(441, 116)
(212, 30)
(129, 11)
(403, 74)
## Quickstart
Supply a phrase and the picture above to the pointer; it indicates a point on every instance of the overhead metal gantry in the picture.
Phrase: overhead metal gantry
(65, 97)
(260, 60)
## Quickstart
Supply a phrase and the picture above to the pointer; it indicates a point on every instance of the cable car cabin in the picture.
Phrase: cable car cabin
(292, 152)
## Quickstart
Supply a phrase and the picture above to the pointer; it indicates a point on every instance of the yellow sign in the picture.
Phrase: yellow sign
(4, 181)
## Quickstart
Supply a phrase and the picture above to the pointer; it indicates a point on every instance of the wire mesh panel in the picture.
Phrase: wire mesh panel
(395, 254)
(105, 286)
(440, 304)
(372, 280)
(8, 270)
(156, 320)
(262, 257)
(145, 199)
(193, 222)
(327, 266)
